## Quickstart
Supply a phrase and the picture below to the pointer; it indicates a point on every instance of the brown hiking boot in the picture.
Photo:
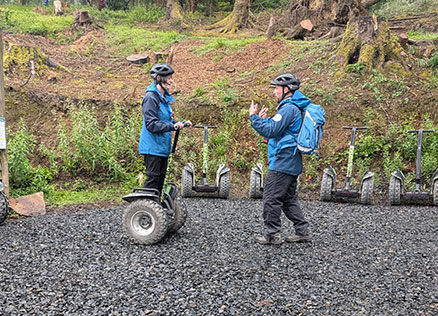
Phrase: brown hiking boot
(274, 240)
(299, 238)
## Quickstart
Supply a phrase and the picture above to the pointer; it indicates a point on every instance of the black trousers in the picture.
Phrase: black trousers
(156, 167)
(280, 195)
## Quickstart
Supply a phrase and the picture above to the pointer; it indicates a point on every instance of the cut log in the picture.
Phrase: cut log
(317, 16)
(138, 59)
(307, 25)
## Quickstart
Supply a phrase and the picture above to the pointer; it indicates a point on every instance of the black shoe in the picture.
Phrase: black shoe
(274, 240)
(299, 238)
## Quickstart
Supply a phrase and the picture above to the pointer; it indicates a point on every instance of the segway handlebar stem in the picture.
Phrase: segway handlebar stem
(175, 139)
(419, 152)
(351, 153)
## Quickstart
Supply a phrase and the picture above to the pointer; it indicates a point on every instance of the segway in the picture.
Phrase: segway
(397, 182)
(4, 203)
(188, 185)
(328, 183)
(147, 219)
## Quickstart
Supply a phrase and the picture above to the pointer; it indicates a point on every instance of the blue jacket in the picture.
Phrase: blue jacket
(156, 132)
(282, 130)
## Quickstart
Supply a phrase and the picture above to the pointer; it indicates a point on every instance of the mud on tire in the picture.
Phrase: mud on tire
(367, 191)
(255, 181)
(180, 215)
(4, 207)
(186, 184)
(435, 193)
(224, 185)
(145, 222)
(394, 191)
(326, 187)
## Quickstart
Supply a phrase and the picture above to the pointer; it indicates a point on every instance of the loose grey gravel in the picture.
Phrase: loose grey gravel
(364, 260)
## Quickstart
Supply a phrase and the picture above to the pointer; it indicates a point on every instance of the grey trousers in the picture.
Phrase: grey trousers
(279, 194)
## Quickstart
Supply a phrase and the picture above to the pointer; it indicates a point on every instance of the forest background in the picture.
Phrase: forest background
(74, 118)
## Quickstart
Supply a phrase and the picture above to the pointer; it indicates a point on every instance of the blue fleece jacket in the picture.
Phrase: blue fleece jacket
(156, 132)
(282, 130)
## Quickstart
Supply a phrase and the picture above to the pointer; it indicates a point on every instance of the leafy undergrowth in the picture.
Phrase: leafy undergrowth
(78, 139)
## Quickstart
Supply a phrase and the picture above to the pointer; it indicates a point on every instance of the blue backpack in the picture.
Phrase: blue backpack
(310, 134)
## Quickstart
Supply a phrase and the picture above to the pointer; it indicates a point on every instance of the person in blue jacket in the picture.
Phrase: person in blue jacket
(285, 162)
(158, 124)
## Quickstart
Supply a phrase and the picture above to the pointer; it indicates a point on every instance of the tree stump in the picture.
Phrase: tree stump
(26, 61)
(271, 28)
(82, 19)
(138, 59)
(367, 40)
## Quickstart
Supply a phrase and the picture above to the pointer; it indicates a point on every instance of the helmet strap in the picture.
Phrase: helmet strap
(285, 93)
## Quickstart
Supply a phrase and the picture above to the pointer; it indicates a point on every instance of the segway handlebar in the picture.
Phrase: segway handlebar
(351, 127)
(175, 140)
(422, 130)
(200, 126)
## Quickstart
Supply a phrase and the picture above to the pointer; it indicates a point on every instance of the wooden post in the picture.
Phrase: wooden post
(4, 173)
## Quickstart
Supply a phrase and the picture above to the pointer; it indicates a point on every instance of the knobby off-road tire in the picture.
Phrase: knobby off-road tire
(179, 216)
(255, 181)
(367, 191)
(394, 191)
(224, 186)
(4, 207)
(326, 188)
(145, 222)
(186, 184)
(435, 193)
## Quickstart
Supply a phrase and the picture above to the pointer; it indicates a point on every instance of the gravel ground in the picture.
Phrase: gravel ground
(374, 260)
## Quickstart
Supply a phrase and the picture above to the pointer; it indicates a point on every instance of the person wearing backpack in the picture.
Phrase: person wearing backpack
(285, 161)
(158, 124)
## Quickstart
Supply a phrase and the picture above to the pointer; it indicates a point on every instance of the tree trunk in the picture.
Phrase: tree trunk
(238, 19)
(191, 5)
(173, 10)
(367, 42)
(322, 14)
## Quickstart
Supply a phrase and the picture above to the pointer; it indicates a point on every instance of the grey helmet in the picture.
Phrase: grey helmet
(286, 80)
(161, 69)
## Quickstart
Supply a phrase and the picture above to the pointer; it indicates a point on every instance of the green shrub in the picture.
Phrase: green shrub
(104, 153)
(23, 177)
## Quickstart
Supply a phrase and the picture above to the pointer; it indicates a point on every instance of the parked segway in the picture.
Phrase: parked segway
(328, 183)
(188, 185)
(147, 219)
(397, 182)
(4, 203)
